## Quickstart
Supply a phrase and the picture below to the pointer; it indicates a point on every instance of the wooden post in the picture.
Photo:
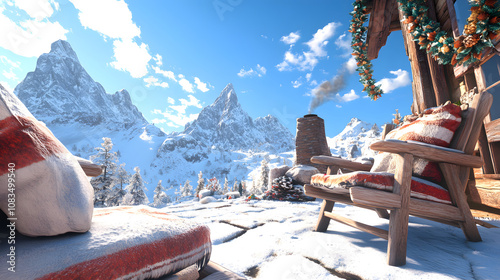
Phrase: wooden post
(423, 91)
(398, 221)
(436, 70)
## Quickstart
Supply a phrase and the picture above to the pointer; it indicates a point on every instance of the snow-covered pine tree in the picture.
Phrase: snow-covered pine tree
(104, 183)
(160, 198)
(235, 186)
(201, 184)
(264, 175)
(121, 178)
(135, 188)
(226, 186)
(187, 189)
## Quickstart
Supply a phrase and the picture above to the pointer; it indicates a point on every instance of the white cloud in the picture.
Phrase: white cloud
(31, 37)
(7, 61)
(167, 74)
(338, 106)
(170, 100)
(307, 60)
(296, 84)
(389, 84)
(158, 59)
(261, 71)
(351, 65)
(152, 81)
(313, 83)
(185, 84)
(200, 85)
(111, 18)
(37, 9)
(10, 75)
(348, 97)
(291, 38)
(344, 42)
(308, 76)
(131, 57)
(175, 116)
(319, 40)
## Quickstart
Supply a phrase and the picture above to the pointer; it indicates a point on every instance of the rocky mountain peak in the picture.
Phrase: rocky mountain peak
(62, 48)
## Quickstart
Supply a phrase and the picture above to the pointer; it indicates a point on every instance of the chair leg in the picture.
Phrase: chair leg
(323, 221)
(398, 221)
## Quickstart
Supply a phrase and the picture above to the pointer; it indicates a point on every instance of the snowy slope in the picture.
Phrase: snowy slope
(275, 240)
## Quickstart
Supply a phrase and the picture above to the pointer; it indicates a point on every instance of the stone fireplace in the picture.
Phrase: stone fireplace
(311, 141)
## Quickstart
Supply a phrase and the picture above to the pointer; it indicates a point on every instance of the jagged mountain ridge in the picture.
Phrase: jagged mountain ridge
(60, 90)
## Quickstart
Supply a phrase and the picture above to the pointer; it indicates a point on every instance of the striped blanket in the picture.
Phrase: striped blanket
(135, 242)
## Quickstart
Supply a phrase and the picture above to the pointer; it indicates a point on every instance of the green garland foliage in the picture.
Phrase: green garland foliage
(358, 44)
(482, 25)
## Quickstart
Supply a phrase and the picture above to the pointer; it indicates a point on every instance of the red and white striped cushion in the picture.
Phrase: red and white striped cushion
(437, 127)
(136, 242)
(52, 193)
(420, 188)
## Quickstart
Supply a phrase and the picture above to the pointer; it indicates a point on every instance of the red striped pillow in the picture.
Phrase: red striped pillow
(436, 126)
(135, 242)
(52, 193)
(420, 188)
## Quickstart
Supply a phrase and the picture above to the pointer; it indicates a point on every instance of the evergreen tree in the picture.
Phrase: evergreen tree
(103, 183)
(160, 198)
(187, 190)
(240, 188)
(136, 194)
(264, 175)
(121, 178)
(226, 186)
(235, 186)
(201, 184)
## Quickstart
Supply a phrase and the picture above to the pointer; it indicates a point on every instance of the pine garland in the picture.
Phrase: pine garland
(358, 44)
(482, 25)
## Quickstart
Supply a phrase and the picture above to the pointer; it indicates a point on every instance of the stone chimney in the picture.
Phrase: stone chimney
(311, 141)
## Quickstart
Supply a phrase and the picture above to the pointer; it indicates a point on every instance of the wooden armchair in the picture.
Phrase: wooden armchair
(455, 165)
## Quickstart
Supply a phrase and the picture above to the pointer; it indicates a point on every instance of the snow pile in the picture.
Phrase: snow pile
(275, 240)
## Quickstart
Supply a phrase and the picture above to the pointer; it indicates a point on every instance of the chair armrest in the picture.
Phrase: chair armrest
(90, 169)
(342, 163)
(428, 152)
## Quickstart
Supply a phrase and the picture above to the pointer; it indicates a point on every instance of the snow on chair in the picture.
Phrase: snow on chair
(396, 190)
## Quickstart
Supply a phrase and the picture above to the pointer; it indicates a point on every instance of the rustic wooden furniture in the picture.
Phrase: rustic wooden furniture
(455, 165)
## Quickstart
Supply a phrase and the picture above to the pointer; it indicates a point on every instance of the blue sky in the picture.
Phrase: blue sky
(174, 57)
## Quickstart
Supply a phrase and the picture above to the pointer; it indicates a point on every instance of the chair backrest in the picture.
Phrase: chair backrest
(467, 134)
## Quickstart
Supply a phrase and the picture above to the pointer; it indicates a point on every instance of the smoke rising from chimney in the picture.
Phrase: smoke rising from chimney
(328, 90)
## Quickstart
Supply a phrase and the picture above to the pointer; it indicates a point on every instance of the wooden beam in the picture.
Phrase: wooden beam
(379, 26)
(398, 222)
(364, 227)
(375, 198)
(423, 91)
(426, 152)
(342, 163)
(90, 169)
(437, 72)
(493, 130)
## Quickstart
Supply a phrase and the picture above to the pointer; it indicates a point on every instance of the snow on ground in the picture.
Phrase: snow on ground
(274, 240)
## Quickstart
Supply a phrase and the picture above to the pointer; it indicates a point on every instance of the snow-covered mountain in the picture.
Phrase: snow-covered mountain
(224, 141)
(75, 107)
(354, 141)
